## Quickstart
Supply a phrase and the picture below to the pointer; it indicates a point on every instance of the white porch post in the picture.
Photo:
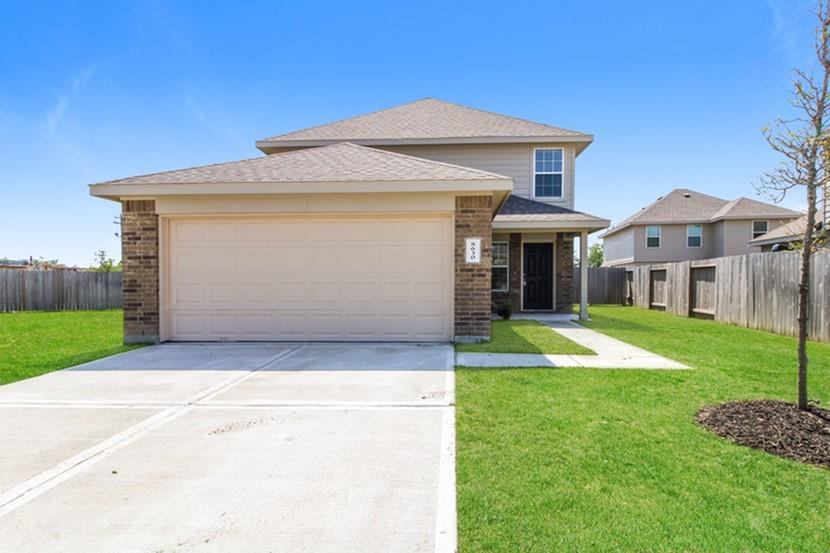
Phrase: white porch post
(583, 276)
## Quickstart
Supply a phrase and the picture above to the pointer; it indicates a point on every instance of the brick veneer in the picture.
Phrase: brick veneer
(473, 216)
(140, 255)
(514, 277)
(564, 272)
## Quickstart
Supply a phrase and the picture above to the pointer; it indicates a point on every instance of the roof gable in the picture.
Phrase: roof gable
(429, 121)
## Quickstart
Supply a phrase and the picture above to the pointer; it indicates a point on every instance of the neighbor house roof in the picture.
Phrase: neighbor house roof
(333, 166)
(682, 206)
(794, 230)
(518, 212)
(427, 121)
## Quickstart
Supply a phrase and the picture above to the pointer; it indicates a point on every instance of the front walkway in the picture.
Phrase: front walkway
(610, 352)
(233, 447)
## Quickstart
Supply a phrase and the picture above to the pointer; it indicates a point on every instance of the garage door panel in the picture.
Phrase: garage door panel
(275, 278)
(290, 293)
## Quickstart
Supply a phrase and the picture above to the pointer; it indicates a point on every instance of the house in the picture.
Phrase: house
(405, 224)
(686, 225)
(786, 237)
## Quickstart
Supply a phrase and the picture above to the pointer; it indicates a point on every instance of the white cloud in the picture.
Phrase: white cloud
(56, 114)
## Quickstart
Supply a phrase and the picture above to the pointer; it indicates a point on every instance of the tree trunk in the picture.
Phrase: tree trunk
(804, 297)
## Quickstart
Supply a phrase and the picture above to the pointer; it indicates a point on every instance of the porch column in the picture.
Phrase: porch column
(583, 276)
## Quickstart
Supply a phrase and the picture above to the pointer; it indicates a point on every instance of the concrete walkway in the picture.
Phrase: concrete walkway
(610, 352)
(233, 447)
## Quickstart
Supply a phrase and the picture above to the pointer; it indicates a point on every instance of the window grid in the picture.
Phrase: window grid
(547, 172)
(759, 228)
(652, 236)
(500, 267)
(694, 236)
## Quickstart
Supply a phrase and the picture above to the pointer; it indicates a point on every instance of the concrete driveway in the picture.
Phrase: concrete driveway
(233, 447)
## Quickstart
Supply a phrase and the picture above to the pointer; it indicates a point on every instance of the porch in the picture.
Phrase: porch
(533, 257)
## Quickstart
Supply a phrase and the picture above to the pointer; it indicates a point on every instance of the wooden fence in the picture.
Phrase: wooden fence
(755, 291)
(606, 285)
(58, 290)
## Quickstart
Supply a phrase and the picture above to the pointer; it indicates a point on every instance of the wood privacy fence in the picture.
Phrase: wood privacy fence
(606, 285)
(58, 290)
(757, 290)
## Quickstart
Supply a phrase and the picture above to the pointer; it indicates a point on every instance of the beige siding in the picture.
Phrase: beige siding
(672, 245)
(738, 233)
(512, 160)
(619, 248)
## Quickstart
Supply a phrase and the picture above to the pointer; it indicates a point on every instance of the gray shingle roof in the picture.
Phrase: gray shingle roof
(336, 163)
(687, 206)
(425, 119)
(523, 209)
(744, 208)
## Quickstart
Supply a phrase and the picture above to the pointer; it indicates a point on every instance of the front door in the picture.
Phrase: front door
(538, 276)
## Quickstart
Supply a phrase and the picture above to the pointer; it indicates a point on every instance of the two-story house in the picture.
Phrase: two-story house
(686, 225)
(406, 224)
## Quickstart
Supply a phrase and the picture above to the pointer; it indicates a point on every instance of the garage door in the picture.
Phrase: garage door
(322, 278)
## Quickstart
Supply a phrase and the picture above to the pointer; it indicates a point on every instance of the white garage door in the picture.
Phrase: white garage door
(322, 278)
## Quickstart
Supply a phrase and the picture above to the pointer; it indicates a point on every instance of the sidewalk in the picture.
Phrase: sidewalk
(610, 352)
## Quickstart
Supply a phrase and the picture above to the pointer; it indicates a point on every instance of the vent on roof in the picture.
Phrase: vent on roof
(686, 195)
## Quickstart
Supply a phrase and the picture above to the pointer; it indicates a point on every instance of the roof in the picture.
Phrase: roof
(687, 206)
(746, 208)
(342, 162)
(793, 230)
(516, 210)
(425, 121)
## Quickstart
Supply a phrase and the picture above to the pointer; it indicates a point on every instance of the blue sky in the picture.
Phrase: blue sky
(675, 92)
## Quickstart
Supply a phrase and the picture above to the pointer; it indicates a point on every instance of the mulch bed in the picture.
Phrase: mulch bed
(773, 426)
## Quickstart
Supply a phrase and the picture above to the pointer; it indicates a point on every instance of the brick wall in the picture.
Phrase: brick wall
(513, 295)
(473, 216)
(564, 272)
(140, 254)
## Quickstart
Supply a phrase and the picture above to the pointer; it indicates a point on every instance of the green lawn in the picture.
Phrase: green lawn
(37, 342)
(611, 460)
(524, 337)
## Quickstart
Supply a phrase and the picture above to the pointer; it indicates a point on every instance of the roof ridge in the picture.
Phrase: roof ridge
(343, 119)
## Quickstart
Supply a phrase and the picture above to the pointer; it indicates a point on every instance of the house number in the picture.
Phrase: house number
(472, 250)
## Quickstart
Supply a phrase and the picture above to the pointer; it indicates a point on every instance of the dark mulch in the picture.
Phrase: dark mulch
(774, 426)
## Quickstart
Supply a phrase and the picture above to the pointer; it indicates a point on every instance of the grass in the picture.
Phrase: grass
(37, 342)
(519, 336)
(611, 460)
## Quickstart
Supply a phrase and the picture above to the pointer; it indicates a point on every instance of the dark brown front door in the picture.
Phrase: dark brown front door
(538, 276)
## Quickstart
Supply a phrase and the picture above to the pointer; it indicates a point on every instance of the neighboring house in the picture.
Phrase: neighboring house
(686, 225)
(786, 237)
(406, 224)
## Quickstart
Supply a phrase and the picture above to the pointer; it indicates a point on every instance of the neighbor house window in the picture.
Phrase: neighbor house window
(500, 266)
(547, 173)
(694, 236)
(653, 236)
(759, 228)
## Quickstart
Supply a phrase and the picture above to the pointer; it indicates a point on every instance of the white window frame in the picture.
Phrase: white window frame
(533, 179)
(698, 225)
(752, 228)
(506, 267)
(659, 237)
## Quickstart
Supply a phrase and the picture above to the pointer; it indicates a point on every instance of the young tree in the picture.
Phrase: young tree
(595, 256)
(804, 143)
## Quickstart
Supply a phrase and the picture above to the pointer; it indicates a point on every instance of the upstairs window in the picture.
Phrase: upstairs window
(500, 267)
(547, 173)
(759, 228)
(653, 236)
(694, 236)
